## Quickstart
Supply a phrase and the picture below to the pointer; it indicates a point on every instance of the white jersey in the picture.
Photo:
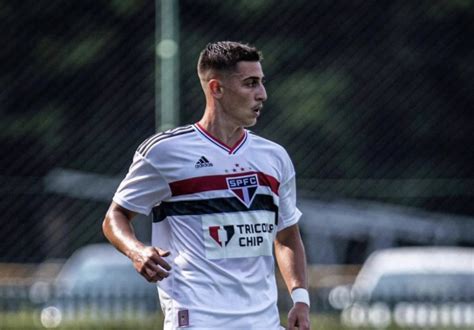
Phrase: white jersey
(217, 209)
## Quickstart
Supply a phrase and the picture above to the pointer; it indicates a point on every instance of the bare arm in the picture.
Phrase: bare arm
(291, 258)
(148, 260)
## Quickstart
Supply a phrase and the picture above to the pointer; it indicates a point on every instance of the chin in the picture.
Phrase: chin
(250, 123)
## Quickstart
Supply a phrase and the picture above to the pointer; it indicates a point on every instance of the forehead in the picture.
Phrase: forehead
(246, 69)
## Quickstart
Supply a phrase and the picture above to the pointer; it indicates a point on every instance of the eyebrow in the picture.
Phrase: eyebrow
(254, 77)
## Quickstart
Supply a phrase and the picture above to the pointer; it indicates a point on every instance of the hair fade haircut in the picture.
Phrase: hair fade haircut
(224, 56)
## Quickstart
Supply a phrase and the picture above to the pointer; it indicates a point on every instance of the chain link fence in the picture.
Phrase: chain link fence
(373, 100)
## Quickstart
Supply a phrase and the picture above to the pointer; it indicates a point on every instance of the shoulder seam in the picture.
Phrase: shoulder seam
(148, 144)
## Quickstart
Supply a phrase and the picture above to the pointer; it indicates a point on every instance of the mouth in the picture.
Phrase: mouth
(257, 108)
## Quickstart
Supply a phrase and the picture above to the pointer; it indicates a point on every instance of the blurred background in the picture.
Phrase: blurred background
(372, 99)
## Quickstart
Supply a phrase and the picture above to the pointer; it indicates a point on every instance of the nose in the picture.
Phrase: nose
(261, 94)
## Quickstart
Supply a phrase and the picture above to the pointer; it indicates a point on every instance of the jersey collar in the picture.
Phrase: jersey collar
(230, 150)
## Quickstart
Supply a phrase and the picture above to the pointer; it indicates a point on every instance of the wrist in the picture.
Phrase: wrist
(300, 295)
(134, 249)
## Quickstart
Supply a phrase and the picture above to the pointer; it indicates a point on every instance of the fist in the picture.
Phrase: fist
(150, 263)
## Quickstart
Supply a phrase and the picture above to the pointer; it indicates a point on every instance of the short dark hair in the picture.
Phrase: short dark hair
(224, 55)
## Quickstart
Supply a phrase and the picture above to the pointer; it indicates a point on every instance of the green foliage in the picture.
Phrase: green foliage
(125, 7)
(372, 99)
(68, 56)
(43, 125)
(443, 9)
(308, 100)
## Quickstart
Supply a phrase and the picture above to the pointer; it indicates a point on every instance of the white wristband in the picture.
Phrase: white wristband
(300, 295)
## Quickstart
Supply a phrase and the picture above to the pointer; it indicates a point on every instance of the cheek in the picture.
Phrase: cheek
(238, 100)
(247, 97)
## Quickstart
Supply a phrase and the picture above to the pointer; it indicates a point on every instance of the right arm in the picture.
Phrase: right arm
(148, 260)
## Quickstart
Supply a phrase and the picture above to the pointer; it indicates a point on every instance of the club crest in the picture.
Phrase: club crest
(244, 188)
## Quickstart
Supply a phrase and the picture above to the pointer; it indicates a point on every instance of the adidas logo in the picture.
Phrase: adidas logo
(203, 162)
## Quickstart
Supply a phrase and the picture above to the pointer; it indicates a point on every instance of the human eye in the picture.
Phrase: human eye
(252, 83)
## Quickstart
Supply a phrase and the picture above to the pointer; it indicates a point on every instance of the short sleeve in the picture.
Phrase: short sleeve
(143, 187)
(288, 213)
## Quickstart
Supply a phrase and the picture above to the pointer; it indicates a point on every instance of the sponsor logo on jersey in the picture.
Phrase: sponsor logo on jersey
(237, 235)
(203, 162)
(243, 187)
(222, 234)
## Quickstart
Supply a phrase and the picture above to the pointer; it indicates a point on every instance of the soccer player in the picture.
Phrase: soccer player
(222, 199)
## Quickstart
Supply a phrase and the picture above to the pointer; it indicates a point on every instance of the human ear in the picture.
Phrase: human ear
(216, 88)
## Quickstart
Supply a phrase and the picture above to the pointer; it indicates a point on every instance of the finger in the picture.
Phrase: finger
(163, 253)
(292, 319)
(153, 274)
(158, 268)
(291, 324)
(158, 260)
(304, 326)
(158, 277)
(301, 322)
(147, 274)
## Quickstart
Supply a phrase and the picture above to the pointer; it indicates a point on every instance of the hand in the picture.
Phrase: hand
(149, 262)
(298, 317)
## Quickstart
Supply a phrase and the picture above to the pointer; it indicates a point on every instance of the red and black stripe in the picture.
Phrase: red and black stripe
(213, 206)
(218, 182)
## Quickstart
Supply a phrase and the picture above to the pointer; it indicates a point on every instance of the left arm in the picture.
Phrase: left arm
(291, 258)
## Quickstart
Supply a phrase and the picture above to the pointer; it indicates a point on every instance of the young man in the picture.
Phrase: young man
(221, 199)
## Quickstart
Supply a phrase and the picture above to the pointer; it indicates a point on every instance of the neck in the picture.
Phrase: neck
(223, 130)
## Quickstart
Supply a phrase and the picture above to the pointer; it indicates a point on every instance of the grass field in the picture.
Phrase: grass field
(31, 321)
(25, 320)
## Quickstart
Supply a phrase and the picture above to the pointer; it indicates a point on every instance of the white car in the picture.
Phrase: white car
(98, 283)
(411, 287)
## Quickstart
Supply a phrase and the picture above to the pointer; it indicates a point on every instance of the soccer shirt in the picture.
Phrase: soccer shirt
(217, 209)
